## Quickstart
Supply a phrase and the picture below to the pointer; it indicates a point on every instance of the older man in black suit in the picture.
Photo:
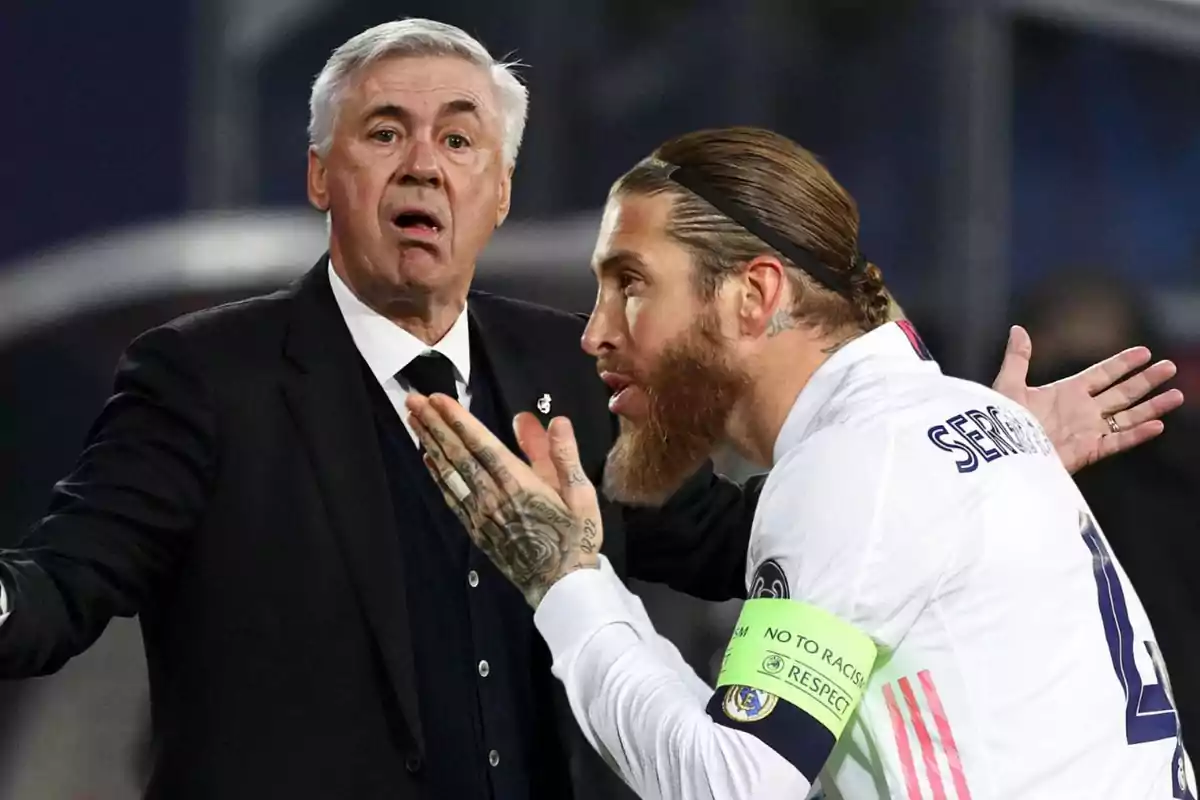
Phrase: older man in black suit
(316, 623)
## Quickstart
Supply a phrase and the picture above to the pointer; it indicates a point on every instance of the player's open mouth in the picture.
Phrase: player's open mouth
(622, 388)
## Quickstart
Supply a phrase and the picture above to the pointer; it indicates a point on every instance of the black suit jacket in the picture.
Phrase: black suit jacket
(232, 494)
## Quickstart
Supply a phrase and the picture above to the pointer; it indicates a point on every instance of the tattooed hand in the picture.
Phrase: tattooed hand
(537, 522)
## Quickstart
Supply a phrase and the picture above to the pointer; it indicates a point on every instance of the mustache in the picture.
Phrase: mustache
(616, 366)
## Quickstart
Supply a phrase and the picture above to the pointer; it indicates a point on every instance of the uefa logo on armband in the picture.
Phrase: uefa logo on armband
(747, 704)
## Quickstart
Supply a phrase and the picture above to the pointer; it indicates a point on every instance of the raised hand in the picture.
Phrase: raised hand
(537, 522)
(1096, 413)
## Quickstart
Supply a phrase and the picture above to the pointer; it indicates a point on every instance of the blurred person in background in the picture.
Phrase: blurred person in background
(315, 620)
(1072, 316)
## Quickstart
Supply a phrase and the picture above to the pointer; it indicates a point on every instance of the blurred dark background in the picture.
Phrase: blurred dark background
(1014, 161)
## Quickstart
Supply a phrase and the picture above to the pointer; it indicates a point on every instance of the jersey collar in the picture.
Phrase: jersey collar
(891, 343)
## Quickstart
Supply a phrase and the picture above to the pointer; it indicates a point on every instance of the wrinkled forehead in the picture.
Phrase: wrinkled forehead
(423, 86)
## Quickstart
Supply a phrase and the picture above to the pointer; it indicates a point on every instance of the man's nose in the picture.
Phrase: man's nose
(600, 336)
(420, 165)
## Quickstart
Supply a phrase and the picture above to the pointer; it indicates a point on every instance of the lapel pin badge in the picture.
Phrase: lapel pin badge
(543, 404)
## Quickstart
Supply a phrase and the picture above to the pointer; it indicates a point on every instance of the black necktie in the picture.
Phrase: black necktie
(431, 373)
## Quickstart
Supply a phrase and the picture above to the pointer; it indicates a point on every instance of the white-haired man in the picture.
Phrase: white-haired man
(316, 622)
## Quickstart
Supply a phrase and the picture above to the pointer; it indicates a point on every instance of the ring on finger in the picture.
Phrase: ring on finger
(1112, 424)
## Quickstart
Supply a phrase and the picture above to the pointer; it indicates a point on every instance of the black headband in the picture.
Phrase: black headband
(802, 257)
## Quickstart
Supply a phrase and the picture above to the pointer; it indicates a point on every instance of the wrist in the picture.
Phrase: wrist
(536, 593)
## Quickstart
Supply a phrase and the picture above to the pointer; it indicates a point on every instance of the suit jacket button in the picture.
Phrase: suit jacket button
(413, 763)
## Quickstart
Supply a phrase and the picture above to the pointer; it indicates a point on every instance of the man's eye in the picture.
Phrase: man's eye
(457, 141)
(628, 281)
(385, 136)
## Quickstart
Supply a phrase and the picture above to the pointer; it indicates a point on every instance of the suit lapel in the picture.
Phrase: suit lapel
(509, 360)
(327, 397)
(520, 362)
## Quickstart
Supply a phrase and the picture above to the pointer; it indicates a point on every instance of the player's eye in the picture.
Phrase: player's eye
(457, 141)
(630, 283)
(384, 135)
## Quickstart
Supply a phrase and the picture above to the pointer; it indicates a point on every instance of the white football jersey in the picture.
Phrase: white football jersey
(933, 515)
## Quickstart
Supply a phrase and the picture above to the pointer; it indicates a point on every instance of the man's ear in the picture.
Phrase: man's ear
(764, 292)
(318, 189)
(505, 196)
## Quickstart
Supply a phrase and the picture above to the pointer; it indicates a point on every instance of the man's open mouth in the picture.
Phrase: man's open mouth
(417, 222)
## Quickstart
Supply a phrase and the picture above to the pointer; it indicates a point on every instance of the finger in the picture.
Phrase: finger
(1130, 390)
(535, 444)
(470, 519)
(429, 443)
(1014, 368)
(454, 448)
(443, 471)
(1155, 408)
(577, 490)
(1128, 439)
(456, 468)
(480, 512)
(414, 401)
(1099, 377)
(439, 466)
(480, 443)
(451, 499)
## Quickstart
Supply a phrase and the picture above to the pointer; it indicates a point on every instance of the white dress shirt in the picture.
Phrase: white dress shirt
(387, 349)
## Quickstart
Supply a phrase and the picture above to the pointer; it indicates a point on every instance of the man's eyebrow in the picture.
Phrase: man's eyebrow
(460, 106)
(617, 260)
(387, 111)
(451, 108)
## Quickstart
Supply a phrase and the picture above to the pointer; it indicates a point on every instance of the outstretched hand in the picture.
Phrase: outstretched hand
(1096, 413)
(537, 522)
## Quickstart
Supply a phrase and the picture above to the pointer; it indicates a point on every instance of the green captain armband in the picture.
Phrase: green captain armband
(801, 654)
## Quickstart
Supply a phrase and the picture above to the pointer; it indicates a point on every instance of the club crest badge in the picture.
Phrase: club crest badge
(747, 704)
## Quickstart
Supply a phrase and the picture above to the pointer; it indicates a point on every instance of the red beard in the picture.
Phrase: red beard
(691, 393)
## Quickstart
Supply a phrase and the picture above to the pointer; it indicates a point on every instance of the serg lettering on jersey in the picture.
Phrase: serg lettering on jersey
(977, 437)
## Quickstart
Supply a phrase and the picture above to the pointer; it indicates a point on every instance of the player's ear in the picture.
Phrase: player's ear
(764, 291)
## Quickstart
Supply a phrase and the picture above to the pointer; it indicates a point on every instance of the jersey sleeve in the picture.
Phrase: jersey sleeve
(846, 553)
(642, 707)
